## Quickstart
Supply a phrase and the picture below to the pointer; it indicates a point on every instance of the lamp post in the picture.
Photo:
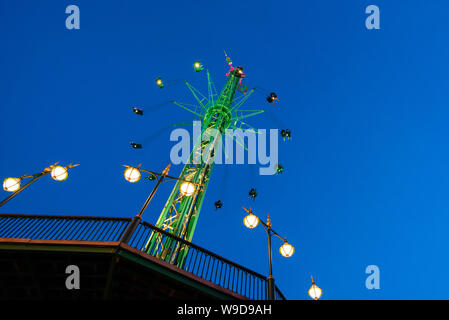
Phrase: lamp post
(58, 173)
(132, 174)
(251, 221)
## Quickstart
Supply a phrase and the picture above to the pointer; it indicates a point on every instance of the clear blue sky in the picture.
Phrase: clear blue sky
(366, 177)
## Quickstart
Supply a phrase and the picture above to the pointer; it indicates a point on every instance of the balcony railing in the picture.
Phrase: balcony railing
(200, 262)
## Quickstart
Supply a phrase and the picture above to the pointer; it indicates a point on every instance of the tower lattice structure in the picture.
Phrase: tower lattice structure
(219, 112)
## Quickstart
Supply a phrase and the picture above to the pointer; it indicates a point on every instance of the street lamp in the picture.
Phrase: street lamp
(13, 185)
(133, 174)
(59, 173)
(251, 221)
(315, 292)
(187, 189)
(286, 249)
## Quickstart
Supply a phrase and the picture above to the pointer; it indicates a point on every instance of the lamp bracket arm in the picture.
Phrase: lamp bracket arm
(277, 235)
(169, 178)
(267, 229)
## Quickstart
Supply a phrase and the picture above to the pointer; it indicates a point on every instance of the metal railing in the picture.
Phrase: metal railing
(45, 227)
(198, 261)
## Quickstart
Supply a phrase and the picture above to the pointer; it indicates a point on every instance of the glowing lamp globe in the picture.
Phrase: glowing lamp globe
(315, 292)
(287, 250)
(187, 189)
(11, 184)
(59, 173)
(159, 82)
(132, 174)
(251, 221)
(197, 66)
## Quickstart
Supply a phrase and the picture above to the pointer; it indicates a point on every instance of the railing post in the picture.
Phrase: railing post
(130, 230)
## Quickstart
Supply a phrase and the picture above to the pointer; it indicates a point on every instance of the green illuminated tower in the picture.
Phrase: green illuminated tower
(181, 211)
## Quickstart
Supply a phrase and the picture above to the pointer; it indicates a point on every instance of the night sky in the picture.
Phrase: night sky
(366, 175)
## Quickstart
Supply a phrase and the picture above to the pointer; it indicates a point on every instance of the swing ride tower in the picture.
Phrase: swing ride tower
(216, 113)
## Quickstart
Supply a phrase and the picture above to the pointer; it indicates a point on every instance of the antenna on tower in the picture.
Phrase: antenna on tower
(228, 60)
